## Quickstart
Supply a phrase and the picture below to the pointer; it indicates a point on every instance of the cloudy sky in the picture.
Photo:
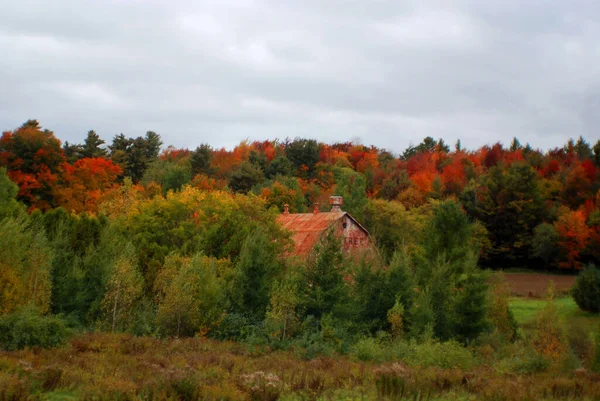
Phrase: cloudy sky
(386, 72)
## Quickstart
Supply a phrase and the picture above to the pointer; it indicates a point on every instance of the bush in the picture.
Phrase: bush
(27, 327)
(368, 349)
(586, 291)
(446, 355)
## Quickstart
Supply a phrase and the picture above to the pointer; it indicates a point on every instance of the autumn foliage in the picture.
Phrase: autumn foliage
(510, 190)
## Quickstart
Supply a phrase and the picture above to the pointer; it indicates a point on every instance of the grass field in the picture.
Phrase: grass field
(525, 311)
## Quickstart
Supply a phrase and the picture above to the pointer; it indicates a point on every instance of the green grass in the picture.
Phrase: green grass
(59, 396)
(525, 311)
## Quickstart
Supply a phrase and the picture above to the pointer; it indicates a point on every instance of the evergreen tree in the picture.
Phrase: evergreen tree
(515, 145)
(257, 269)
(597, 153)
(510, 207)
(421, 316)
(376, 290)
(73, 152)
(92, 145)
(582, 149)
(245, 176)
(200, 159)
(324, 290)
(470, 306)
(352, 187)
(280, 165)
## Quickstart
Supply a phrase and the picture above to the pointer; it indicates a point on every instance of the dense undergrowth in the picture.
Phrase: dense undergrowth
(123, 367)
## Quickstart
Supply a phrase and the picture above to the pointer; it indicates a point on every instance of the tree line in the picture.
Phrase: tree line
(532, 208)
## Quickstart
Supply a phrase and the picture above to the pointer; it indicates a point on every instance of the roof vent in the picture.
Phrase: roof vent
(316, 209)
(286, 209)
(336, 203)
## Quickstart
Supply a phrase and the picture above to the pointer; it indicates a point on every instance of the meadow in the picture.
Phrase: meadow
(102, 366)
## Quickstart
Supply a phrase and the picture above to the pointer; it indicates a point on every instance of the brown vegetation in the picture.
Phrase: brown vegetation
(122, 367)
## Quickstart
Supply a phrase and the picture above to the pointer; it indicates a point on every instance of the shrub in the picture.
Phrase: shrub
(549, 339)
(368, 349)
(27, 327)
(586, 291)
(499, 312)
(446, 355)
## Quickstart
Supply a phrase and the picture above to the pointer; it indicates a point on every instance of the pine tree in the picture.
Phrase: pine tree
(92, 146)
(323, 284)
(470, 307)
(200, 159)
(257, 268)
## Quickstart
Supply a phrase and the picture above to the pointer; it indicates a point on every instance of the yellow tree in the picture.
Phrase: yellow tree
(194, 298)
(24, 266)
(281, 314)
(123, 289)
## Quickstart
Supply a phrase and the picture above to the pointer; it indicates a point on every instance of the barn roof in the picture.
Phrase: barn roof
(307, 228)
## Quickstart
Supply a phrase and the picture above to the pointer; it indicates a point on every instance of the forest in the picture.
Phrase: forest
(135, 254)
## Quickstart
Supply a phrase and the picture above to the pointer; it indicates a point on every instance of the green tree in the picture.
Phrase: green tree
(280, 165)
(323, 288)
(352, 187)
(545, 243)
(510, 206)
(169, 175)
(421, 316)
(303, 152)
(470, 309)
(586, 291)
(193, 295)
(200, 159)
(282, 314)
(9, 206)
(515, 145)
(245, 176)
(257, 268)
(582, 149)
(134, 155)
(596, 150)
(377, 289)
(92, 146)
(72, 152)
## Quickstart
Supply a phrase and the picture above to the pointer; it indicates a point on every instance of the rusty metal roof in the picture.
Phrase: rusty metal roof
(307, 228)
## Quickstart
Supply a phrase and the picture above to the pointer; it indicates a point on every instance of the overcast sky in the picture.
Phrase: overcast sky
(387, 72)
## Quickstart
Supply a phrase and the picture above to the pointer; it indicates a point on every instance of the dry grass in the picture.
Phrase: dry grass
(121, 367)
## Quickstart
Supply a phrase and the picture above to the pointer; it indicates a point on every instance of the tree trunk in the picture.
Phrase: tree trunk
(114, 317)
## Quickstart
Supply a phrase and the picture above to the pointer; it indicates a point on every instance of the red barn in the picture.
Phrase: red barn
(309, 228)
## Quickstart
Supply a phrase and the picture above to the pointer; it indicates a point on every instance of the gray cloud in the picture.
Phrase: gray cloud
(220, 71)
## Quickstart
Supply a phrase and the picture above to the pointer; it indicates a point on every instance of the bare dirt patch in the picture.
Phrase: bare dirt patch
(535, 285)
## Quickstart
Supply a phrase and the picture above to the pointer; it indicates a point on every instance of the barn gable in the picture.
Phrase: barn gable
(309, 228)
